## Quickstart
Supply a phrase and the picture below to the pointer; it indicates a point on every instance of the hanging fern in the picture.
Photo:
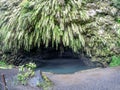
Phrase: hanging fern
(37, 22)
(116, 3)
(78, 24)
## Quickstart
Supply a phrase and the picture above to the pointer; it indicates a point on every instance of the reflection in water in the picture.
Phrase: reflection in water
(63, 66)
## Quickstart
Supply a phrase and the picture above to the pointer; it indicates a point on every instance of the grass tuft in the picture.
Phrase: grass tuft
(115, 61)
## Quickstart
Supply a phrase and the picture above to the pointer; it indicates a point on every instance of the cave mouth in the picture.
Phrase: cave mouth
(63, 66)
(52, 60)
(66, 63)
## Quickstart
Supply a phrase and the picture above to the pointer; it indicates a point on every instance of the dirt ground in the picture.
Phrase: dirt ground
(9, 74)
(93, 79)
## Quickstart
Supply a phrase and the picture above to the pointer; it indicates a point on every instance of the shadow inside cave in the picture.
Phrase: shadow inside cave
(51, 60)
(63, 66)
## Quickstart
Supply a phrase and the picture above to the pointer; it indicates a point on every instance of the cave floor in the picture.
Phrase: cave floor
(92, 79)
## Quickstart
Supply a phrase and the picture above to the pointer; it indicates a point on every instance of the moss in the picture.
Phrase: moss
(47, 84)
(115, 61)
(4, 65)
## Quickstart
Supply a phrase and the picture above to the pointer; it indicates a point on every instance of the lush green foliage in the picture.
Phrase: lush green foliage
(78, 24)
(115, 61)
(26, 72)
(117, 3)
(101, 34)
(118, 20)
(4, 65)
(46, 22)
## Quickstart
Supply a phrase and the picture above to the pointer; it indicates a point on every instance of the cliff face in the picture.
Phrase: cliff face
(100, 31)
(103, 26)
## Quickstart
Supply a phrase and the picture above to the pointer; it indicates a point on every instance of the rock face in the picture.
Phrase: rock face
(102, 22)
(104, 13)
(47, 55)
(36, 79)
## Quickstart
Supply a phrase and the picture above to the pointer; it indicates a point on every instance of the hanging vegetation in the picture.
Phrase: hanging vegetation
(89, 25)
(102, 35)
(45, 22)
(116, 3)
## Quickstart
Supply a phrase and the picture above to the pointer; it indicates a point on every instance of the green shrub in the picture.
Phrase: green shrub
(26, 72)
(115, 61)
(46, 22)
(118, 20)
(4, 65)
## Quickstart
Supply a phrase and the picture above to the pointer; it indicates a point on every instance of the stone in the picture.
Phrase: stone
(92, 12)
(34, 81)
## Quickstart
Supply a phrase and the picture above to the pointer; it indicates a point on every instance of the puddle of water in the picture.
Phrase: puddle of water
(63, 66)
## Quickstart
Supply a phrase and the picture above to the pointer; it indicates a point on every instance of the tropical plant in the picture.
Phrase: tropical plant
(115, 61)
(116, 3)
(3, 64)
(26, 72)
(76, 24)
(46, 22)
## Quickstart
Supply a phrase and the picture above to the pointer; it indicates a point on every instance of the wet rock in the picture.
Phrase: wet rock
(99, 64)
(92, 12)
(87, 61)
(34, 81)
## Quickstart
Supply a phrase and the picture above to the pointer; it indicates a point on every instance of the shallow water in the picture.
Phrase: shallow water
(63, 66)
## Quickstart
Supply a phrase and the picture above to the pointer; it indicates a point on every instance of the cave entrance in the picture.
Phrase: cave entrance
(63, 66)
(52, 60)
(67, 62)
